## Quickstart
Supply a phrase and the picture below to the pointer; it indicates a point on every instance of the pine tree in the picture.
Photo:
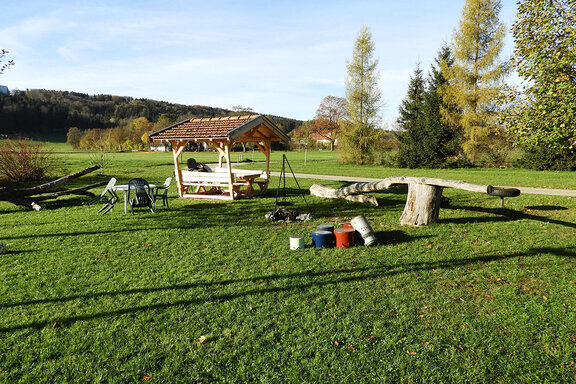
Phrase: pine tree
(359, 138)
(542, 116)
(427, 142)
(442, 146)
(409, 120)
(476, 78)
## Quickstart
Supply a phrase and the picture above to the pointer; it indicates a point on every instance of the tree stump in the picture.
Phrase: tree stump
(422, 205)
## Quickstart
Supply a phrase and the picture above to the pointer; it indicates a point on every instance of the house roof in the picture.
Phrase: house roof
(239, 128)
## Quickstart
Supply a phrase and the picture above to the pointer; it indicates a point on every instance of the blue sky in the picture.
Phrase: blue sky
(278, 57)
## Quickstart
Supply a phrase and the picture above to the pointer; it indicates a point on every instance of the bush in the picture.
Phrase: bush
(23, 160)
(541, 159)
(496, 152)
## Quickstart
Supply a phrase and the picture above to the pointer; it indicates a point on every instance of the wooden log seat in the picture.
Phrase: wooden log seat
(423, 200)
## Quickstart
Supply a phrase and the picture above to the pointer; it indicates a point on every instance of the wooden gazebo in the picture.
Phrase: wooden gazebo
(224, 182)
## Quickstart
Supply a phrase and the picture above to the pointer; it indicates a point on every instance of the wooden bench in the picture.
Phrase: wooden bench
(208, 183)
(251, 176)
(241, 172)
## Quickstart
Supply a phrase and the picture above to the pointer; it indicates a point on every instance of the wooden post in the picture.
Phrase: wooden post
(422, 205)
(230, 176)
(177, 148)
(224, 150)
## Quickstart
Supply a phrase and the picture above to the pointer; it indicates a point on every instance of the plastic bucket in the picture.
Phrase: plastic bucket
(297, 242)
(344, 237)
(325, 227)
(361, 224)
(357, 237)
(323, 239)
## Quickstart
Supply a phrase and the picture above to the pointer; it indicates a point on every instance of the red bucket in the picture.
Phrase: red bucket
(344, 237)
(357, 237)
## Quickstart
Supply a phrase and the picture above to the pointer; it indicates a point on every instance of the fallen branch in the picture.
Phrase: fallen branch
(25, 196)
(74, 191)
(52, 185)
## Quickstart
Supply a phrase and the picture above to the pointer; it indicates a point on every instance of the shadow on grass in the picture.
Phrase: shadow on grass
(334, 277)
(503, 214)
(546, 208)
(397, 237)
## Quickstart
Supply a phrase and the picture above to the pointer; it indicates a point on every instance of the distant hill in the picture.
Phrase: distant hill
(44, 113)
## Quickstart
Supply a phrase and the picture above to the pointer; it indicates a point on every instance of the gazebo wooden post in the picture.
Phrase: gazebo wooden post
(268, 147)
(227, 147)
(224, 152)
(265, 149)
(177, 149)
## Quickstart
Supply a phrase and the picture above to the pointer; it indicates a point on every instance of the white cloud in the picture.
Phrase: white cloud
(279, 57)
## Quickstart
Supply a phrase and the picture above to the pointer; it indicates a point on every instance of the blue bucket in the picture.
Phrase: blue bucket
(323, 239)
(325, 227)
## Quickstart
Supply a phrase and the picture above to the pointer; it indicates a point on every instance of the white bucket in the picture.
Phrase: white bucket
(361, 224)
(296, 242)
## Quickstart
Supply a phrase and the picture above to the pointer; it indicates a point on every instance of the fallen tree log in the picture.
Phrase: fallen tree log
(423, 200)
(26, 196)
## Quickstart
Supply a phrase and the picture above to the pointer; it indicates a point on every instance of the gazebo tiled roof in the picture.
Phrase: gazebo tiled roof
(230, 127)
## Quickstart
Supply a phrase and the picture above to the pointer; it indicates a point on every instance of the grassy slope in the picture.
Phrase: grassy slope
(209, 292)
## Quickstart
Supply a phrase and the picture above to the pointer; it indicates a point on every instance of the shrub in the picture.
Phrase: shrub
(23, 160)
(542, 159)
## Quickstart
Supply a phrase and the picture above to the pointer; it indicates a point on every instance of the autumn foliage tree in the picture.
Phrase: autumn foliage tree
(542, 114)
(360, 137)
(73, 137)
(476, 79)
(328, 118)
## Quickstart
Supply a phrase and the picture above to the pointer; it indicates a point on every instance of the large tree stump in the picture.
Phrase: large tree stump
(422, 205)
(423, 201)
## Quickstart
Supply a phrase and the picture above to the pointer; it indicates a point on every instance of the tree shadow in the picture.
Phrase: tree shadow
(397, 237)
(546, 208)
(504, 214)
(331, 277)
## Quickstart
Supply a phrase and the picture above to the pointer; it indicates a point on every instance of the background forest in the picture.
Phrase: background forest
(50, 114)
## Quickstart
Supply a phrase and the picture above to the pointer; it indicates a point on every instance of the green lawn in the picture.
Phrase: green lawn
(210, 292)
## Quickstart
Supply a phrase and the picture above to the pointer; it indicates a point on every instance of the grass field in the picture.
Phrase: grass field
(209, 291)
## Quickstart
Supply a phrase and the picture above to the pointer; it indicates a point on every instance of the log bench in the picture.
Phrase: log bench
(424, 195)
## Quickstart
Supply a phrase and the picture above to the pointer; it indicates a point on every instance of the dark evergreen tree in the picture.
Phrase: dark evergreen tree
(427, 141)
(411, 111)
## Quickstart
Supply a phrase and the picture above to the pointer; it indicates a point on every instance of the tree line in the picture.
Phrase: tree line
(463, 113)
(50, 114)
